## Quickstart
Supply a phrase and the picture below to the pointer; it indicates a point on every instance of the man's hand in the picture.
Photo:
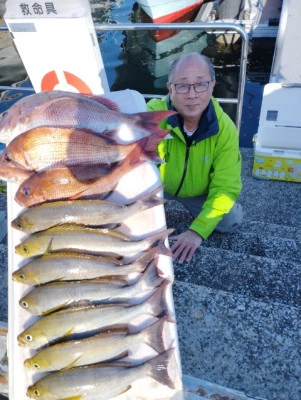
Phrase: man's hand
(185, 245)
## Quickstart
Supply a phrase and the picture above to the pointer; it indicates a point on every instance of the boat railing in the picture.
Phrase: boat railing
(213, 27)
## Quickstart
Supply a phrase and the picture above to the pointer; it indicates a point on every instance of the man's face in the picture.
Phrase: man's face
(192, 104)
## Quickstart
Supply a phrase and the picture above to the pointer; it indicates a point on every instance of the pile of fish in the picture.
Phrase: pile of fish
(96, 298)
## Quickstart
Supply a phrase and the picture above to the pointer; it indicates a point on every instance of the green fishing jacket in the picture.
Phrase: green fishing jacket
(209, 165)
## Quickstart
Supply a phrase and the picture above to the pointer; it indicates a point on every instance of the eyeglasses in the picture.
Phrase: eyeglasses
(199, 87)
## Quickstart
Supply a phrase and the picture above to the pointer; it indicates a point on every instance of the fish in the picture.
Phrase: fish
(104, 346)
(80, 112)
(9, 119)
(76, 266)
(91, 212)
(95, 382)
(86, 240)
(75, 182)
(48, 146)
(13, 174)
(51, 297)
(84, 321)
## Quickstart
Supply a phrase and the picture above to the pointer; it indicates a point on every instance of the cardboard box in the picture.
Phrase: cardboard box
(278, 141)
(275, 164)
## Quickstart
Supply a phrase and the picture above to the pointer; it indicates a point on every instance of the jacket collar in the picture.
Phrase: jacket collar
(208, 125)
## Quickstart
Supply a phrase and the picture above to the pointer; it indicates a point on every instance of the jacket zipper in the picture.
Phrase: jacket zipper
(185, 170)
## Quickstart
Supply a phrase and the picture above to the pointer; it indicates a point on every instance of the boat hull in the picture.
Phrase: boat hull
(168, 11)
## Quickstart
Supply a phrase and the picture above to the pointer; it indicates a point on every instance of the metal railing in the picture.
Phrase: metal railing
(213, 27)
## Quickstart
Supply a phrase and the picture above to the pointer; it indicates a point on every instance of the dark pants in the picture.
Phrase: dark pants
(230, 221)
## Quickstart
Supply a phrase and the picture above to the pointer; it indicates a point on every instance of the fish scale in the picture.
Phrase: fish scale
(94, 130)
(73, 322)
(74, 110)
(74, 182)
(53, 296)
(83, 212)
(45, 147)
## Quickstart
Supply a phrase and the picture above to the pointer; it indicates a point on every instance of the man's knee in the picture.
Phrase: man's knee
(232, 220)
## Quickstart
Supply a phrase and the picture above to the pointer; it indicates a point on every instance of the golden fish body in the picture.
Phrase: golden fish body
(86, 240)
(77, 266)
(54, 296)
(82, 212)
(95, 382)
(73, 322)
(60, 183)
(95, 349)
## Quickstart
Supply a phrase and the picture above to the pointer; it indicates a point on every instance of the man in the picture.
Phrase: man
(202, 166)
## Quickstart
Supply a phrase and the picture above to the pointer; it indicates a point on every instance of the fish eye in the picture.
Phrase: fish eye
(19, 224)
(4, 114)
(36, 366)
(36, 392)
(7, 156)
(24, 304)
(28, 338)
(21, 276)
(26, 191)
(25, 249)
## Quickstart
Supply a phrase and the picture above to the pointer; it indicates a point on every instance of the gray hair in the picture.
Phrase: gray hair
(190, 55)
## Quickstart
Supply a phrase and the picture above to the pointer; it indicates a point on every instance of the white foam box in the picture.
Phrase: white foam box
(134, 184)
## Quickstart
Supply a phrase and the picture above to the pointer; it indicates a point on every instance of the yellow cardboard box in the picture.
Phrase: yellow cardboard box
(285, 166)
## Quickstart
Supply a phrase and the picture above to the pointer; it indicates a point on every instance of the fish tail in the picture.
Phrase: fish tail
(150, 278)
(154, 335)
(159, 366)
(151, 199)
(158, 302)
(151, 119)
(133, 159)
(160, 236)
(150, 148)
(162, 249)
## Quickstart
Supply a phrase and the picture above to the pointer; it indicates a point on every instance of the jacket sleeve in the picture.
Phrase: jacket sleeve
(225, 179)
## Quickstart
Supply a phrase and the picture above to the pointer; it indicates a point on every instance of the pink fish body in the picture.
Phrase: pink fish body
(79, 111)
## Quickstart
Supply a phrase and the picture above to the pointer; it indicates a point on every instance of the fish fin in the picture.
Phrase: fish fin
(151, 119)
(154, 335)
(160, 365)
(48, 249)
(120, 357)
(67, 333)
(117, 280)
(72, 364)
(125, 390)
(59, 307)
(152, 255)
(150, 147)
(133, 158)
(102, 100)
(150, 278)
(158, 303)
(162, 249)
(151, 199)
(82, 171)
(158, 237)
